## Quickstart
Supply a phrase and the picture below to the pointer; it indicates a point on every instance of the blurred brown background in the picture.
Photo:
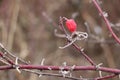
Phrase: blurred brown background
(27, 30)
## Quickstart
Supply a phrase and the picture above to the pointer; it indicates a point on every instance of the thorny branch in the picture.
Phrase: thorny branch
(12, 61)
(64, 68)
(30, 68)
(104, 16)
(73, 44)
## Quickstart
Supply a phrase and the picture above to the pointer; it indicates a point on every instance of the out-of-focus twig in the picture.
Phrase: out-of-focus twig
(104, 16)
(74, 45)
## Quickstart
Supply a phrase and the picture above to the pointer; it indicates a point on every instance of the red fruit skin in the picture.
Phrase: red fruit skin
(71, 25)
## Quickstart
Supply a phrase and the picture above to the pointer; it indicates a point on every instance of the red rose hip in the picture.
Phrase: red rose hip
(71, 25)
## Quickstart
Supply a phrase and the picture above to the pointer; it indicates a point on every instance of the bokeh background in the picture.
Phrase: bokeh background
(27, 30)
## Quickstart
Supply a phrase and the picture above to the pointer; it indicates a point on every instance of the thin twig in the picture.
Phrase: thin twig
(4, 50)
(74, 45)
(107, 77)
(67, 68)
(106, 21)
(7, 59)
(83, 53)
(51, 74)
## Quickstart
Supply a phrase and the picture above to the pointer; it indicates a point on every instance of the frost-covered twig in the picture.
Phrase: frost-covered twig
(73, 44)
(104, 16)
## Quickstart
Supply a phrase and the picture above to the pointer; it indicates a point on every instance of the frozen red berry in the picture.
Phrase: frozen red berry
(71, 25)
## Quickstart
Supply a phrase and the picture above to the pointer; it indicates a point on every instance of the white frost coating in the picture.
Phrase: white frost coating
(105, 14)
(49, 68)
(40, 75)
(5, 53)
(16, 65)
(100, 74)
(82, 49)
(42, 62)
(99, 65)
(1, 45)
(64, 64)
(68, 44)
(119, 76)
(73, 67)
(64, 72)
(70, 74)
(76, 35)
(81, 77)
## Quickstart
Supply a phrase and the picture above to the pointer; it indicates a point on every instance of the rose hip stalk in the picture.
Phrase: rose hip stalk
(71, 27)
